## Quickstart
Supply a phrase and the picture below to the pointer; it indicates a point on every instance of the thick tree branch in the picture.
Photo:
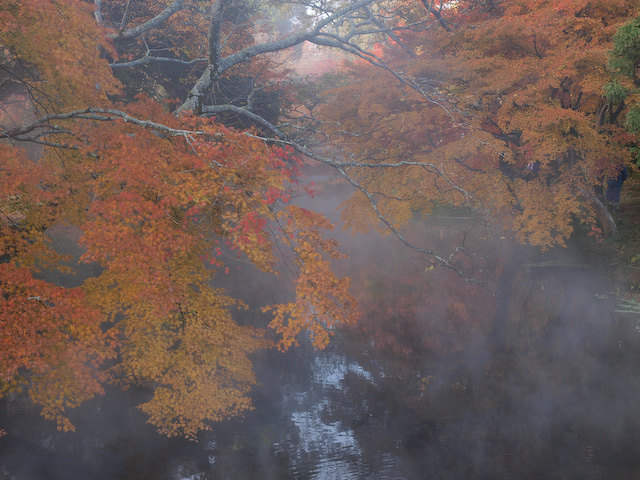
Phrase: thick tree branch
(97, 13)
(436, 13)
(215, 32)
(155, 22)
(215, 70)
(152, 58)
(211, 110)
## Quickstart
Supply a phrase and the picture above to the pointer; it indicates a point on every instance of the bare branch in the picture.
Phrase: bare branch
(151, 58)
(447, 262)
(125, 15)
(155, 22)
(210, 110)
(437, 13)
(215, 30)
(100, 114)
(390, 33)
(215, 70)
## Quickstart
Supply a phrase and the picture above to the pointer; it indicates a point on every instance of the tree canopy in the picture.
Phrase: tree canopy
(510, 112)
(162, 203)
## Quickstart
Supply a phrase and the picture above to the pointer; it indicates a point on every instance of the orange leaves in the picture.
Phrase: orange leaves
(547, 213)
(28, 205)
(322, 300)
(516, 84)
(58, 39)
(161, 209)
(153, 211)
(206, 374)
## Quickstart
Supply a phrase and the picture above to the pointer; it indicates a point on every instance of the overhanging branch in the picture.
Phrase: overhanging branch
(99, 114)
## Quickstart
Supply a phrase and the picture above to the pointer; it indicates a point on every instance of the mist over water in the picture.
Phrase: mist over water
(532, 376)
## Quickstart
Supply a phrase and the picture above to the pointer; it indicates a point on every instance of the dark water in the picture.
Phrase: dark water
(418, 389)
(334, 415)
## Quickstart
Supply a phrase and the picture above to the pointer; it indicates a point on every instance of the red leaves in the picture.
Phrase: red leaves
(274, 194)
(55, 335)
(155, 212)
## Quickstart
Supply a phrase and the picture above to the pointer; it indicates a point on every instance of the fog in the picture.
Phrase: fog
(533, 374)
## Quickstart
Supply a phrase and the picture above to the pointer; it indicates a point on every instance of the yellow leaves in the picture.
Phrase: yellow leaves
(204, 374)
(59, 41)
(322, 300)
(547, 213)
(178, 334)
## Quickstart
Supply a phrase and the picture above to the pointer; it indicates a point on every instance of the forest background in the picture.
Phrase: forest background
(167, 139)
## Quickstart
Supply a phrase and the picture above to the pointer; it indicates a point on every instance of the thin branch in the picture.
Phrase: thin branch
(392, 35)
(340, 167)
(125, 16)
(337, 42)
(447, 262)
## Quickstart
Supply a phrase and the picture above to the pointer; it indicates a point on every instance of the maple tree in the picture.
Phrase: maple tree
(163, 202)
(508, 111)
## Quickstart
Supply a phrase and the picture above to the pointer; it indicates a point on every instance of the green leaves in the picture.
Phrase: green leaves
(624, 56)
(614, 92)
(632, 122)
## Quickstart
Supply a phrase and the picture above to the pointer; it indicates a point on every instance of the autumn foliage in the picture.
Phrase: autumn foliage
(162, 204)
(504, 112)
(116, 121)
